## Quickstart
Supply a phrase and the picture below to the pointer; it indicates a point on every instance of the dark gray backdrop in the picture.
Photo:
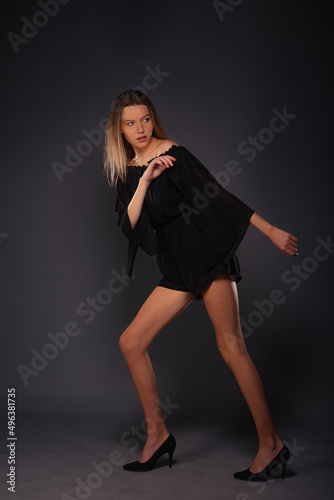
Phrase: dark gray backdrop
(220, 79)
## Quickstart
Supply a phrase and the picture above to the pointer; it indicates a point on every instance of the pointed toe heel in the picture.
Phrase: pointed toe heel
(275, 469)
(168, 446)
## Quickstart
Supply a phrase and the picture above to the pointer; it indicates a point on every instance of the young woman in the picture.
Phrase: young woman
(172, 207)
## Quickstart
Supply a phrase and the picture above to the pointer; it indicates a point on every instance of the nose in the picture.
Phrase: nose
(139, 128)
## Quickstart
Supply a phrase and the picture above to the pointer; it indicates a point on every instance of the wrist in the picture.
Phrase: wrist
(144, 182)
(262, 225)
(270, 230)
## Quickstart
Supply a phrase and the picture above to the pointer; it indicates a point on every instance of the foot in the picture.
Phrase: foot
(265, 455)
(152, 444)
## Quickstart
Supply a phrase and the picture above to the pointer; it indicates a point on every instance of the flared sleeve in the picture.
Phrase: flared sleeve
(218, 214)
(142, 235)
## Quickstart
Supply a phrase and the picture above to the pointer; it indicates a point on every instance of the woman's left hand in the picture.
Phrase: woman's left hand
(284, 241)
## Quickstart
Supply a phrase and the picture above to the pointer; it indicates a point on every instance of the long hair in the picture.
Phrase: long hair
(117, 150)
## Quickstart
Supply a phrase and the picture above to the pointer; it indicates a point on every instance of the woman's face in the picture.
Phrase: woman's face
(136, 125)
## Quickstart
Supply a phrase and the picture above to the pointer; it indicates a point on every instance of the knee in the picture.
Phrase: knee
(233, 357)
(128, 344)
(232, 349)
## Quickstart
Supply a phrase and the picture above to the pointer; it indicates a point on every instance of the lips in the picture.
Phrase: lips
(142, 139)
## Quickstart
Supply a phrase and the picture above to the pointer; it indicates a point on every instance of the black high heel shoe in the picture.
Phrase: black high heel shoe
(167, 446)
(274, 470)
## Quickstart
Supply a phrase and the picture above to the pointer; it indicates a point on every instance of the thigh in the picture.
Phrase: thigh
(221, 302)
(159, 309)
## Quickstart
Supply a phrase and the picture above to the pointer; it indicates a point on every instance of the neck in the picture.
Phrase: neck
(142, 153)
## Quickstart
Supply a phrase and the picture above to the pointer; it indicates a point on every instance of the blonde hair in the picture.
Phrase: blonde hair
(117, 150)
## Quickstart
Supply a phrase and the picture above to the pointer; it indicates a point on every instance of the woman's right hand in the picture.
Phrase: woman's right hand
(157, 166)
(153, 170)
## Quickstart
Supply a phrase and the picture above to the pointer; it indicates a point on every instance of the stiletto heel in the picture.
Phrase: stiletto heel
(171, 457)
(283, 472)
(167, 446)
(275, 469)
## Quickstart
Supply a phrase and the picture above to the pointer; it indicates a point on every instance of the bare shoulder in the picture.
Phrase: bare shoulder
(166, 145)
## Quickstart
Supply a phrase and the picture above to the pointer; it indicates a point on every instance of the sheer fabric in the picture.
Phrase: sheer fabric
(189, 221)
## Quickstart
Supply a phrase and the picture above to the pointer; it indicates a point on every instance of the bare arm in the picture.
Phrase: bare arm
(155, 168)
(136, 204)
(282, 240)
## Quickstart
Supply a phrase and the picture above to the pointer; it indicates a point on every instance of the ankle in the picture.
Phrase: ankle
(271, 443)
(157, 434)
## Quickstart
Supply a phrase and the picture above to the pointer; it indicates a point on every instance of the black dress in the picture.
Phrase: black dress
(189, 221)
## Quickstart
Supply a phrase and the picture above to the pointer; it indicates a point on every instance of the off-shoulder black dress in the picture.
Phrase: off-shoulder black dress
(189, 221)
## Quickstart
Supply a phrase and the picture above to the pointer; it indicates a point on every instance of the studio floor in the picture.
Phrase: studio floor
(80, 459)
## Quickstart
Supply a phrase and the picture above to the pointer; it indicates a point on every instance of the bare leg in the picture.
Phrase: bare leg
(221, 302)
(160, 308)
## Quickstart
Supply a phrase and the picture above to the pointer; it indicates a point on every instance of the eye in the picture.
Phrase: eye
(130, 124)
(147, 119)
